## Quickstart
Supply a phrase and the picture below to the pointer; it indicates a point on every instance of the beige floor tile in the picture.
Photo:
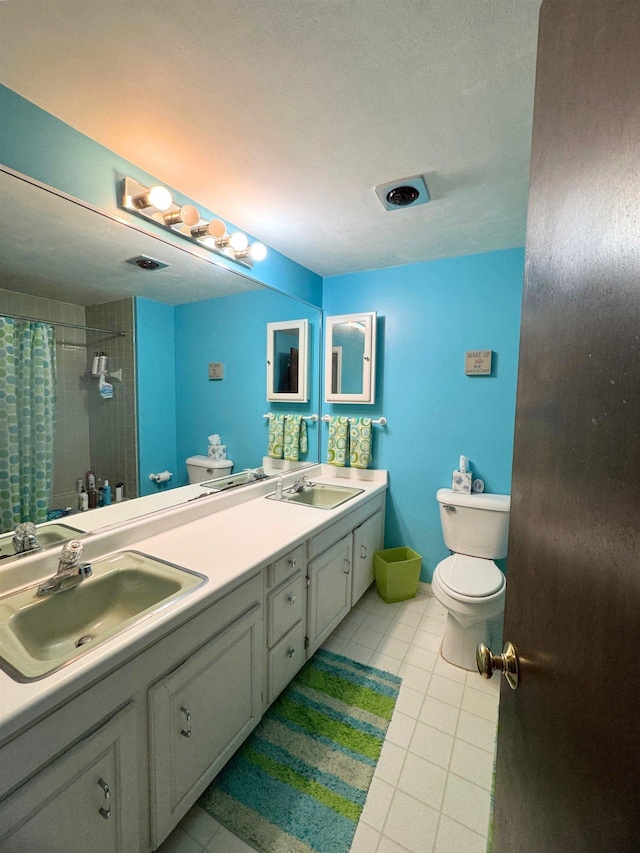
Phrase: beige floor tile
(477, 731)
(377, 804)
(423, 780)
(472, 763)
(467, 803)
(411, 824)
(445, 690)
(454, 838)
(365, 840)
(440, 715)
(481, 704)
(400, 729)
(432, 745)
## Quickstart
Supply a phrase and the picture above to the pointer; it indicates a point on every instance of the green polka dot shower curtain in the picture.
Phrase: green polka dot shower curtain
(27, 420)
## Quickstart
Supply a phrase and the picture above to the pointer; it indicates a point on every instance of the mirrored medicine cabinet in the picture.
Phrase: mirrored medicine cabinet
(350, 358)
(288, 361)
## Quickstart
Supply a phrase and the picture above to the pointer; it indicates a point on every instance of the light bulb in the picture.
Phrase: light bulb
(258, 251)
(210, 231)
(210, 242)
(238, 241)
(185, 215)
(159, 197)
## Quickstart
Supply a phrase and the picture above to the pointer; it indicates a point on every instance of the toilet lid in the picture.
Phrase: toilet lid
(471, 576)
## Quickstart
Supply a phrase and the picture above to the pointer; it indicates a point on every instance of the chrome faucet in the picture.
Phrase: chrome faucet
(25, 538)
(70, 573)
(254, 474)
(302, 483)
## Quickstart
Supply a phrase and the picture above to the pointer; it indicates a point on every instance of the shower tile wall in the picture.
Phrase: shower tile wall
(112, 423)
(71, 444)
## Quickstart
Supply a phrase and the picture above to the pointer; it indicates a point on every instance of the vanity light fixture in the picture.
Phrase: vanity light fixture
(156, 204)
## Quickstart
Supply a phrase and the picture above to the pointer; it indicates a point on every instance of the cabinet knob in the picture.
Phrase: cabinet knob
(292, 599)
(187, 730)
(347, 567)
(292, 563)
(105, 810)
(291, 652)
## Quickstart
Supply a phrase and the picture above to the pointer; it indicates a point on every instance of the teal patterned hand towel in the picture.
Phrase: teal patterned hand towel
(276, 436)
(295, 437)
(338, 440)
(360, 446)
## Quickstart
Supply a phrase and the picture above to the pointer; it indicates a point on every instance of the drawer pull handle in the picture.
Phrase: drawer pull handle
(105, 810)
(292, 563)
(186, 731)
(363, 552)
(291, 652)
(347, 566)
(292, 599)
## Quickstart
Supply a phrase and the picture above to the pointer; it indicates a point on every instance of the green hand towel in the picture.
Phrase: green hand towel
(276, 436)
(338, 440)
(295, 437)
(360, 447)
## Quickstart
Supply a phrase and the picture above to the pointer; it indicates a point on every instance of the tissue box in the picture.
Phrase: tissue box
(217, 452)
(461, 483)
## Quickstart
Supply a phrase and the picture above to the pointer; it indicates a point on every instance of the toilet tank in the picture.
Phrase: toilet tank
(201, 468)
(477, 525)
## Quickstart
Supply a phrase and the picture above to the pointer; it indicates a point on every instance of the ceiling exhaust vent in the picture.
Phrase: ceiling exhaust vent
(405, 192)
(148, 264)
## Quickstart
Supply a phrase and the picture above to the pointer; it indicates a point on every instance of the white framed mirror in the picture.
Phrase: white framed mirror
(350, 358)
(288, 361)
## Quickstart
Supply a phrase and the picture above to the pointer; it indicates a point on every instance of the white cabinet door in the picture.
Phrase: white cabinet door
(329, 592)
(367, 539)
(84, 801)
(200, 714)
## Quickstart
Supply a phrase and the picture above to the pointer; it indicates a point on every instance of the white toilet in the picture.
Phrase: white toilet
(469, 584)
(201, 468)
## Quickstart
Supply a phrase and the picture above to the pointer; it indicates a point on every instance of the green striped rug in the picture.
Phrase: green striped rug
(299, 783)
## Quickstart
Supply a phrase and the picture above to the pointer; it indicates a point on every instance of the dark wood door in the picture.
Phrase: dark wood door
(568, 769)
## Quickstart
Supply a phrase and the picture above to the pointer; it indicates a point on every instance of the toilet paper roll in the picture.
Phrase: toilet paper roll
(163, 477)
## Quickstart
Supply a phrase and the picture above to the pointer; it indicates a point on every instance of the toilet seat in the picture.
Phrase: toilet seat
(470, 578)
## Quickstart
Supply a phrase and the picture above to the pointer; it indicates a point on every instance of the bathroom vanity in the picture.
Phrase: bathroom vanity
(110, 751)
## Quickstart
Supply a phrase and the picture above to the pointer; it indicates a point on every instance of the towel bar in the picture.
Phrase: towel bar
(377, 421)
(313, 418)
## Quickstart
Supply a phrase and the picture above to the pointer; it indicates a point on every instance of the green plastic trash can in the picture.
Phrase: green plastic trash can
(397, 573)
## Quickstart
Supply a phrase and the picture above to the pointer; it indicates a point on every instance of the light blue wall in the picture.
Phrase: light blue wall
(233, 329)
(429, 314)
(156, 360)
(41, 146)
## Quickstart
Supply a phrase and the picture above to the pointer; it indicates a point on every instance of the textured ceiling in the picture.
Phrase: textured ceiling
(282, 115)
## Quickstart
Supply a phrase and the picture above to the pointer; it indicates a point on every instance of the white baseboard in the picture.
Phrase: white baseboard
(424, 588)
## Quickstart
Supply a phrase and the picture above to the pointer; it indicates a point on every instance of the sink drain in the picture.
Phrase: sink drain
(84, 639)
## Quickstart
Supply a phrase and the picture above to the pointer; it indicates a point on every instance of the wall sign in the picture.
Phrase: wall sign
(216, 370)
(478, 362)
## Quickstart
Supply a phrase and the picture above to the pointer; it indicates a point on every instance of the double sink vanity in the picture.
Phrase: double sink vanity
(122, 697)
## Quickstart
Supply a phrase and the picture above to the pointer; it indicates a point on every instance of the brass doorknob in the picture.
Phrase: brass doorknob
(506, 663)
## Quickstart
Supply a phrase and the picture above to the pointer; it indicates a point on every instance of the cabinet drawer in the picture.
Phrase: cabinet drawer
(286, 566)
(285, 659)
(285, 608)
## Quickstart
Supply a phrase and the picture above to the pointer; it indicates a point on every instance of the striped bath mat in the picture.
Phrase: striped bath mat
(299, 783)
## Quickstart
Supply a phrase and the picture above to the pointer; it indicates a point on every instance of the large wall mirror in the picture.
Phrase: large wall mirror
(153, 402)
(350, 358)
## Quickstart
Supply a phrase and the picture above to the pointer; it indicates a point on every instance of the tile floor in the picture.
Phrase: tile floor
(431, 789)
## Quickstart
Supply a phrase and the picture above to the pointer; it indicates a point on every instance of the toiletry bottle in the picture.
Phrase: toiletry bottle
(93, 498)
(91, 481)
(106, 494)
(83, 501)
(102, 363)
(279, 487)
(95, 364)
(119, 492)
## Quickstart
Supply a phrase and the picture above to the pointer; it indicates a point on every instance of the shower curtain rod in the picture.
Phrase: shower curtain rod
(68, 325)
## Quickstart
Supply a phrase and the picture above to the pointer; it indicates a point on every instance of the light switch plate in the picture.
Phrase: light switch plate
(216, 370)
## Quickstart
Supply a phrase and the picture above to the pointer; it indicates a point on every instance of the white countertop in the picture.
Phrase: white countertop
(228, 538)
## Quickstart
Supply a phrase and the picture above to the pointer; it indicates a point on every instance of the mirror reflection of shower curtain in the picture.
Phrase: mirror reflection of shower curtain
(27, 420)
